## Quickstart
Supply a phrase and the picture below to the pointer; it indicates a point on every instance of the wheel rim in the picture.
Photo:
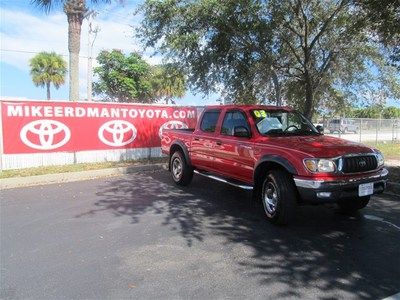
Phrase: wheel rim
(270, 197)
(177, 168)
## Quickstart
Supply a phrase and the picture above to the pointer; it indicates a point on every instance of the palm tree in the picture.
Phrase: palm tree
(48, 68)
(168, 82)
(76, 11)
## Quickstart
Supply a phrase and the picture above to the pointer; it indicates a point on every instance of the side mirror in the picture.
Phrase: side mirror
(320, 129)
(241, 131)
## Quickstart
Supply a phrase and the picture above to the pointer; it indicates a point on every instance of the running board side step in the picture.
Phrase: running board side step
(221, 179)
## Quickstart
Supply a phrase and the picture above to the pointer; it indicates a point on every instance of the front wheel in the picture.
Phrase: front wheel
(181, 172)
(278, 196)
(352, 205)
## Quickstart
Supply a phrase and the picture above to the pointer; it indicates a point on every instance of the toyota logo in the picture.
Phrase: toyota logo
(45, 134)
(117, 133)
(362, 163)
(172, 125)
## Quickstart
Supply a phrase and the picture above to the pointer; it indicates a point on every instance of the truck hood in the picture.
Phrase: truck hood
(318, 146)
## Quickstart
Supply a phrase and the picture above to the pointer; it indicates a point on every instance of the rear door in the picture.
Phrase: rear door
(204, 140)
(234, 155)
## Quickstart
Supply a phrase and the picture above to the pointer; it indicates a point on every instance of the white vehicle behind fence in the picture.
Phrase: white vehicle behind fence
(342, 126)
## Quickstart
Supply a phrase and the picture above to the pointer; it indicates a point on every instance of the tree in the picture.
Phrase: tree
(383, 17)
(375, 112)
(76, 11)
(167, 82)
(212, 41)
(391, 112)
(129, 78)
(305, 50)
(48, 68)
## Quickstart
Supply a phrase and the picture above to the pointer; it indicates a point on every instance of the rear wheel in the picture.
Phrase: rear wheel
(181, 172)
(278, 196)
(352, 205)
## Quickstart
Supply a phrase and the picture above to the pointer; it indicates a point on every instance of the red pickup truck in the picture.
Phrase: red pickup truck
(277, 153)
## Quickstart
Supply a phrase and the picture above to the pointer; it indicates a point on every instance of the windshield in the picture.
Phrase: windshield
(281, 122)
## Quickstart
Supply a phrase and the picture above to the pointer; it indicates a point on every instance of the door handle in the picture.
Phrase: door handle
(245, 147)
(196, 139)
(218, 143)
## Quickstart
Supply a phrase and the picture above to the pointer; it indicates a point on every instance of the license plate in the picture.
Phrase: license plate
(366, 189)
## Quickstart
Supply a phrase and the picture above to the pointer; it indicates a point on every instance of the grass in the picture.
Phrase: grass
(76, 168)
(390, 150)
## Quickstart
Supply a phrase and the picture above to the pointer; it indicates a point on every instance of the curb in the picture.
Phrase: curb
(392, 163)
(16, 182)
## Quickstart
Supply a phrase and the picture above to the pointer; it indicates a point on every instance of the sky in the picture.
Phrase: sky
(27, 30)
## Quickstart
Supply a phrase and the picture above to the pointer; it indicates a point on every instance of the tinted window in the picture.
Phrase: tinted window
(209, 121)
(231, 120)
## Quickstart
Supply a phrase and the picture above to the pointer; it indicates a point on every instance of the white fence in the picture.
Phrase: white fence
(363, 130)
(22, 161)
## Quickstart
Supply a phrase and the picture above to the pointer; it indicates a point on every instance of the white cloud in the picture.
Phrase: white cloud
(22, 35)
(26, 33)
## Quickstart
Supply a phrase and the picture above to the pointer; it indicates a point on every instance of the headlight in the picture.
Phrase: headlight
(380, 159)
(320, 165)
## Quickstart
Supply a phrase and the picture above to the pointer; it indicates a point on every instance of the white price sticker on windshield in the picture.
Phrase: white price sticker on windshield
(365, 189)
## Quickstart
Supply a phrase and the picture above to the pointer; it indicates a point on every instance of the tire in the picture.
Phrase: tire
(278, 197)
(181, 172)
(352, 205)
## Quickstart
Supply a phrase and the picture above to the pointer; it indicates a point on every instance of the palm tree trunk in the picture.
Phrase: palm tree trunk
(48, 90)
(74, 43)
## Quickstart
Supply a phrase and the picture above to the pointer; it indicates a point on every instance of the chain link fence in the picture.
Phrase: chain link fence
(363, 130)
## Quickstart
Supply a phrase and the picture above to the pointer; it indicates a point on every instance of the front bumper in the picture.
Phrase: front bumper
(325, 191)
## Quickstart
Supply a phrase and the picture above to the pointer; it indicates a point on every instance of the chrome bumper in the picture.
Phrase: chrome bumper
(322, 191)
(318, 184)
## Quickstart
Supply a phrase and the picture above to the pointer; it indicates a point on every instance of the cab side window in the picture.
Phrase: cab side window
(209, 121)
(233, 119)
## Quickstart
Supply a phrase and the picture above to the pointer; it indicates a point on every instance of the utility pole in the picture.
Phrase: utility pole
(91, 32)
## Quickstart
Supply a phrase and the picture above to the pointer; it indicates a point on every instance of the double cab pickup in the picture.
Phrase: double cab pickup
(277, 153)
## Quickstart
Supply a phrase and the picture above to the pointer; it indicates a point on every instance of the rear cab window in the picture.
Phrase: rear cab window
(209, 121)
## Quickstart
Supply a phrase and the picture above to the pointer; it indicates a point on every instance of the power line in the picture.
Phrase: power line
(33, 52)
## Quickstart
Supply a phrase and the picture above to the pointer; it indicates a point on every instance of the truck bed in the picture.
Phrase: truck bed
(171, 135)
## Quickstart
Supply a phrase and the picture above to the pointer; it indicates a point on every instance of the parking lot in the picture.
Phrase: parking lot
(139, 236)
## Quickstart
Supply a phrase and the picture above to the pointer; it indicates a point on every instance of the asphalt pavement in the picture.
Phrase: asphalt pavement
(139, 236)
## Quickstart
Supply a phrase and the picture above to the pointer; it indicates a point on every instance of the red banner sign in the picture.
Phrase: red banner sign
(31, 127)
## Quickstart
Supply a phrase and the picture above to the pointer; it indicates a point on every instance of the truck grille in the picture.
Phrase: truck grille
(358, 164)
